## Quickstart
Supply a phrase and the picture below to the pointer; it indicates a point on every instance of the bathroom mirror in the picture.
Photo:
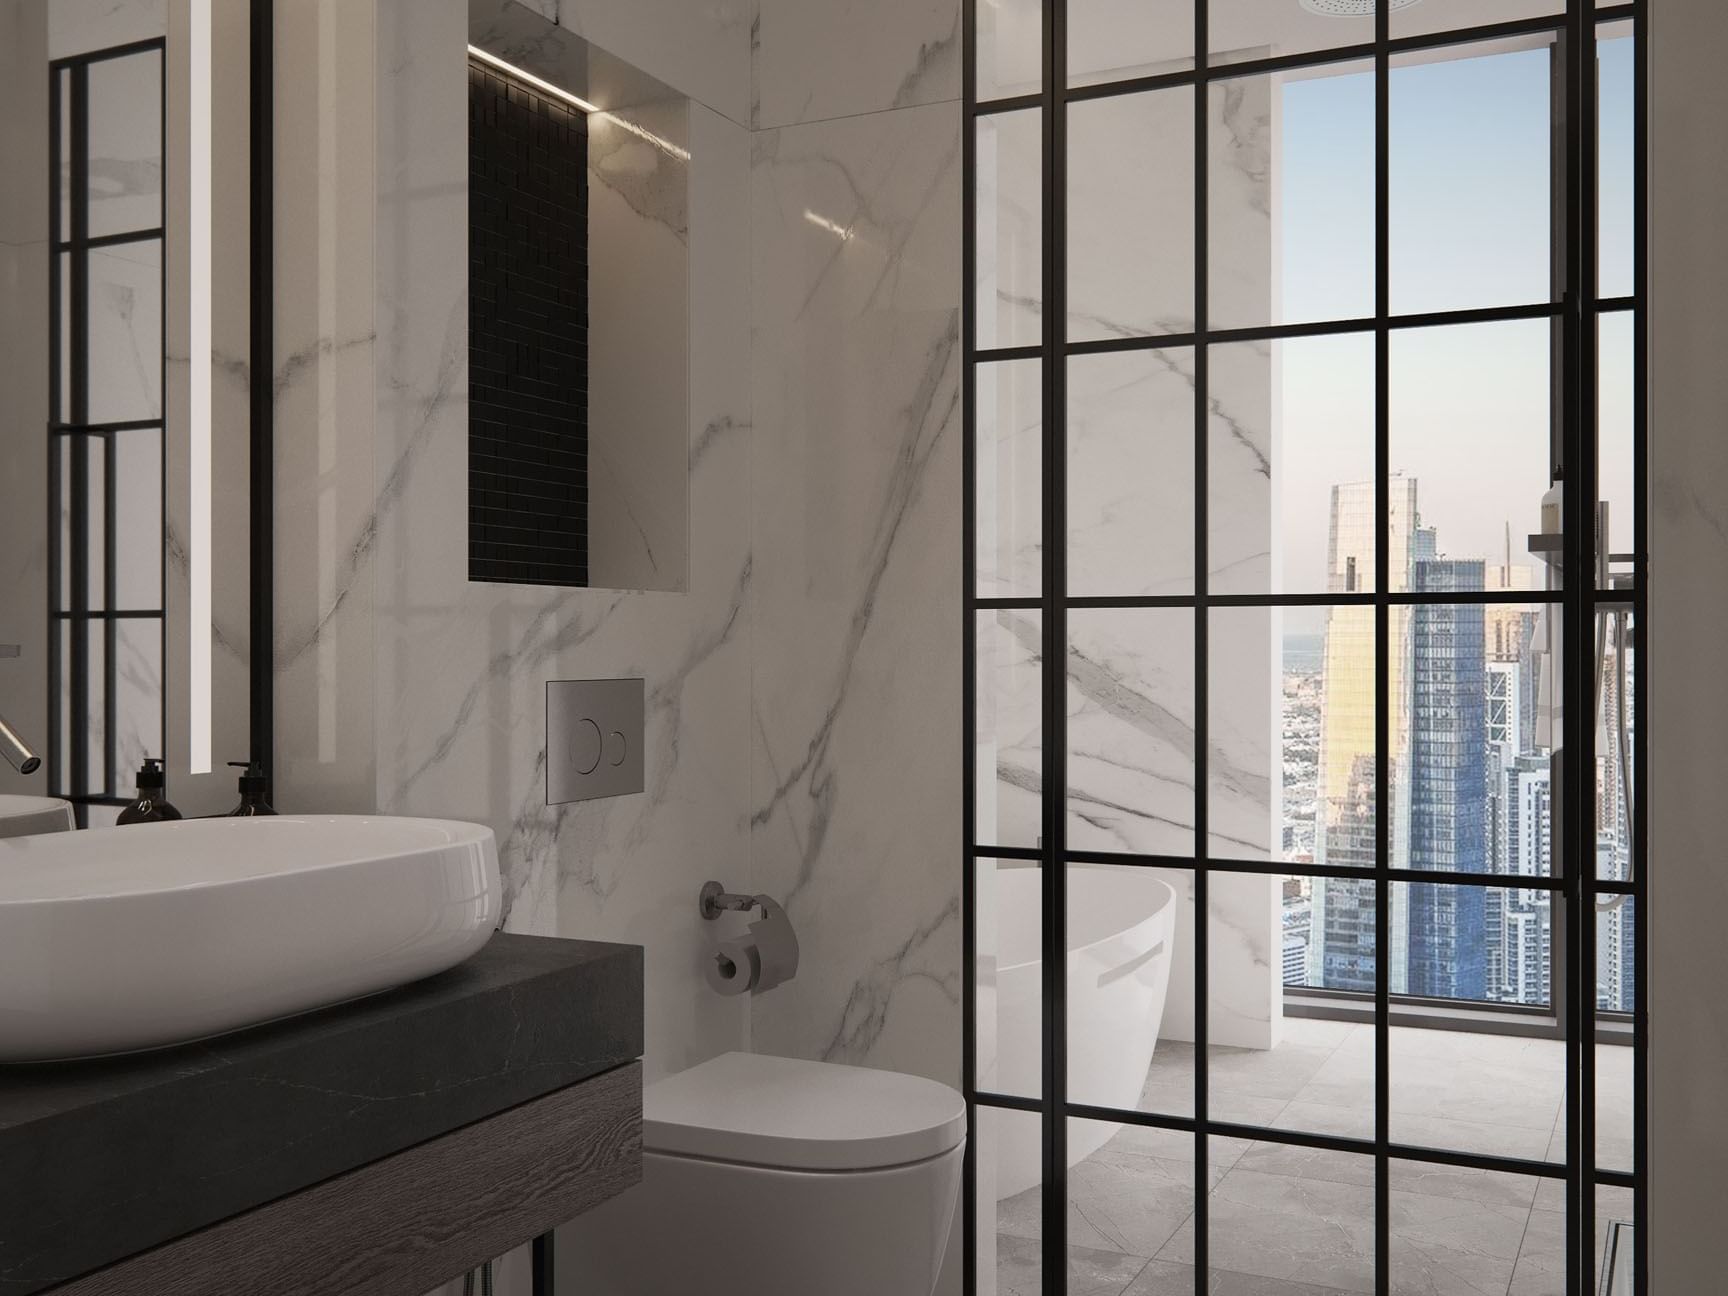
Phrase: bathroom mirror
(126, 403)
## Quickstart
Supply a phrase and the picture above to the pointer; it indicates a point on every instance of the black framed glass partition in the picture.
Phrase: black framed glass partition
(1305, 429)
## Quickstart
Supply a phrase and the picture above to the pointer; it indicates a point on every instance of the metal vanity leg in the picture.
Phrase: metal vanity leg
(543, 1265)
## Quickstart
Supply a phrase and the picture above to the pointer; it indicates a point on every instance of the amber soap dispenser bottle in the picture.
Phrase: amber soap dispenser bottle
(150, 806)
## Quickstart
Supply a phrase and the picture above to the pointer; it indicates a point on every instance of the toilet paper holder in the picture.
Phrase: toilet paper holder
(767, 957)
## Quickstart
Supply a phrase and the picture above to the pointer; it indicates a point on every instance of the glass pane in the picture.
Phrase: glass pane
(1499, 1095)
(1615, 160)
(1345, 780)
(1009, 759)
(1009, 904)
(62, 393)
(1616, 736)
(96, 707)
(1291, 204)
(125, 296)
(1114, 40)
(1265, 1067)
(137, 693)
(62, 216)
(1123, 1207)
(1413, 18)
(1292, 424)
(63, 449)
(1471, 188)
(1282, 1217)
(1246, 762)
(1455, 1229)
(1345, 937)
(1470, 421)
(138, 518)
(1131, 730)
(1131, 215)
(63, 631)
(126, 144)
(1010, 1173)
(1009, 469)
(1010, 43)
(1615, 432)
(1241, 30)
(1614, 1095)
(1131, 988)
(1131, 473)
(1009, 294)
(95, 519)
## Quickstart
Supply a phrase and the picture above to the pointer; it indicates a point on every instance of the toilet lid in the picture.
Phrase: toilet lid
(797, 1115)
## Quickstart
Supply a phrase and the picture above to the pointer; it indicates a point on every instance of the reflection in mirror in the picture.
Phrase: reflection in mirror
(578, 444)
(113, 588)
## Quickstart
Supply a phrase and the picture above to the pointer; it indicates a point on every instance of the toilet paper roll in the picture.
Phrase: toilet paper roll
(734, 967)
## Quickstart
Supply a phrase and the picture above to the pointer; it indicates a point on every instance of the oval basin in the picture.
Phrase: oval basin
(21, 816)
(118, 939)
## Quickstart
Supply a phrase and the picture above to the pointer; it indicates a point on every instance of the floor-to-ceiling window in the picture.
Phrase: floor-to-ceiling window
(1304, 361)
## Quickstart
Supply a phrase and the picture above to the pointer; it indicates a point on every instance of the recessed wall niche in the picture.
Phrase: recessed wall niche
(578, 312)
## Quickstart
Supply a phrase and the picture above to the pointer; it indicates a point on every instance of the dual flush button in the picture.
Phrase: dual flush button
(591, 747)
(593, 739)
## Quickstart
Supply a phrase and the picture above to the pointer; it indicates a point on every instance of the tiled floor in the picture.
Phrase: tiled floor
(1289, 1221)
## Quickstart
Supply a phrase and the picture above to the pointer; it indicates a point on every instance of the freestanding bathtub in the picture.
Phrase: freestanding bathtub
(1121, 928)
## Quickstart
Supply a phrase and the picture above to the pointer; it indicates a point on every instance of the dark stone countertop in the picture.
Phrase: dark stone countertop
(101, 1160)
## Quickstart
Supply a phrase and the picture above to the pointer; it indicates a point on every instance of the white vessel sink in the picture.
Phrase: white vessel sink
(22, 815)
(119, 939)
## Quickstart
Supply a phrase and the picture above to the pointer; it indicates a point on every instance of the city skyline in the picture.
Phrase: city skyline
(1468, 780)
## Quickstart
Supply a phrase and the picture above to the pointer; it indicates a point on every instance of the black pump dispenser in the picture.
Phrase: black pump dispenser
(150, 806)
(252, 785)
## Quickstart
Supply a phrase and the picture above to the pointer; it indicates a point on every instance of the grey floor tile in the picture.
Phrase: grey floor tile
(1465, 1184)
(1541, 1268)
(1116, 1202)
(1450, 1246)
(1167, 1278)
(1295, 1230)
(1090, 1273)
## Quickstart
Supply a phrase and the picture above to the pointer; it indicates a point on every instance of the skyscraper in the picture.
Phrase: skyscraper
(1446, 953)
(1342, 953)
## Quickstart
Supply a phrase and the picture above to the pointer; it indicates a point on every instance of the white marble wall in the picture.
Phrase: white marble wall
(405, 688)
(856, 726)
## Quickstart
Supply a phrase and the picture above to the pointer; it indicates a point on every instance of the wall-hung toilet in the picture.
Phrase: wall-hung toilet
(767, 1176)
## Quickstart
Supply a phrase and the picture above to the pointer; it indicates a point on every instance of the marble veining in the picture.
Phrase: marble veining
(855, 647)
(899, 54)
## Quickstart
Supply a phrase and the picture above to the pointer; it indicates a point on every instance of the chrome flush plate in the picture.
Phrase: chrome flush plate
(593, 739)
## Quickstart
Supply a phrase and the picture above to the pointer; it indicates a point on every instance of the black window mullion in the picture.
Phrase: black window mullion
(1202, 614)
(110, 623)
(1639, 860)
(1578, 808)
(78, 390)
(56, 484)
(969, 646)
(1382, 651)
(1054, 513)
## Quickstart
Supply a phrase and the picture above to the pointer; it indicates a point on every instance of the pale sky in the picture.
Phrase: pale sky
(1470, 200)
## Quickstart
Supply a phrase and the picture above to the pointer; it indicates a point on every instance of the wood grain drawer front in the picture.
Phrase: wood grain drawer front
(403, 1225)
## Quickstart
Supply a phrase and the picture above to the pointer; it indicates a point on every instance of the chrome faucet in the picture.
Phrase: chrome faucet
(15, 749)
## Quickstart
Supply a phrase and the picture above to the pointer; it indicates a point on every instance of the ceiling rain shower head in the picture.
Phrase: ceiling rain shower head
(1351, 8)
